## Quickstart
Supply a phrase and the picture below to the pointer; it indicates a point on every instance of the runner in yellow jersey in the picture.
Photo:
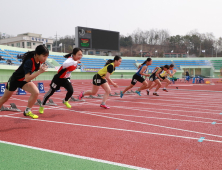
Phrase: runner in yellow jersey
(101, 78)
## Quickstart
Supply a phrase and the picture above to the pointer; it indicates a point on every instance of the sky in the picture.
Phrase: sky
(47, 17)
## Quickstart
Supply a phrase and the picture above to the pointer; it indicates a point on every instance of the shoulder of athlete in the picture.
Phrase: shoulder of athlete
(70, 62)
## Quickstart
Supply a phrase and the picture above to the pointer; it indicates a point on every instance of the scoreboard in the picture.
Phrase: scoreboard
(96, 39)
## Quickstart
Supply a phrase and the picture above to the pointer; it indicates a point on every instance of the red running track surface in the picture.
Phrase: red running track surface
(155, 132)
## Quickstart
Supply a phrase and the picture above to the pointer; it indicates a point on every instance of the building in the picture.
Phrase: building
(27, 40)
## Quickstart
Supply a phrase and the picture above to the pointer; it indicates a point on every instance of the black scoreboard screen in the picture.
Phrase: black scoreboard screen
(96, 39)
(107, 40)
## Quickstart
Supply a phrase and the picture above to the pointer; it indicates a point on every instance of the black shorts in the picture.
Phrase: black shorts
(137, 78)
(13, 84)
(153, 77)
(162, 77)
(98, 80)
(57, 82)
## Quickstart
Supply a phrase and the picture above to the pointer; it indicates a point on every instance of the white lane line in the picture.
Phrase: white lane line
(75, 156)
(180, 106)
(155, 111)
(131, 121)
(139, 109)
(134, 116)
(173, 105)
(109, 128)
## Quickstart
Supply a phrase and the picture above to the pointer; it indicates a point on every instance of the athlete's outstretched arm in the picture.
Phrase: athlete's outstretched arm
(109, 80)
(171, 74)
(157, 74)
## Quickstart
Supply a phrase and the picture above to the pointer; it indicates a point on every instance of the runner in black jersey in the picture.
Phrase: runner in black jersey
(138, 77)
(163, 75)
(62, 78)
(32, 61)
(154, 78)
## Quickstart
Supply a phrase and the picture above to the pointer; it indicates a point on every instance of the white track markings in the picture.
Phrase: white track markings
(129, 108)
(75, 156)
(149, 124)
(109, 128)
(26, 101)
(166, 105)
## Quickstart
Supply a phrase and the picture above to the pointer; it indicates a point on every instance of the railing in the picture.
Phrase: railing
(4, 79)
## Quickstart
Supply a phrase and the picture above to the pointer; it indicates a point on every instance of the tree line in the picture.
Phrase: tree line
(157, 42)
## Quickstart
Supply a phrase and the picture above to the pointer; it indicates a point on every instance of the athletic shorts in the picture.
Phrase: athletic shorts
(162, 77)
(57, 82)
(137, 78)
(153, 77)
(13, 84)
(98, 80)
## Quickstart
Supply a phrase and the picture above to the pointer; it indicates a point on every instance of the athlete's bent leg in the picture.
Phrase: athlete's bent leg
(31, 88)
(145, 84)
(158, 85)
(7, 94)
(127, 88)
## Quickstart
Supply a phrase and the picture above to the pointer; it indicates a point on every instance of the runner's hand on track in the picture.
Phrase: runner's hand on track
(115, 85)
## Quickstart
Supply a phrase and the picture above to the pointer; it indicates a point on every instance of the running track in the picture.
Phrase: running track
(178, 130)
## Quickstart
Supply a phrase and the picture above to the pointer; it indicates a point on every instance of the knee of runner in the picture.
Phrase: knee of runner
(108, 91)
(131, 85)
(70, 92)
(93, 93)
(35, 93)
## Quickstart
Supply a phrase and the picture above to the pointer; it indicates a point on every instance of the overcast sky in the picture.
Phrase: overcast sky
(47, 17)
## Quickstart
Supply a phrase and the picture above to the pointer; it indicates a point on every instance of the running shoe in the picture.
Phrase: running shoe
(138, 92)
(67, 104)
(31, 115)
(165, 90)
(121, 94)
(104, 106)
(81, 95)
(148, 92)
(155, 94)
(41, 109)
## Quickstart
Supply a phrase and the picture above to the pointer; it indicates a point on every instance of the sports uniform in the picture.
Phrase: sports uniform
(138, 77)
(153, 76)
(62, 79)
(18, 77)
(99, 78)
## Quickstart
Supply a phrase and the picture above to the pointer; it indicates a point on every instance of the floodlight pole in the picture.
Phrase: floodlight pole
(56, 41)
(141, 49)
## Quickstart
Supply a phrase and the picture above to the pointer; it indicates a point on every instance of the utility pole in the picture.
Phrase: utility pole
(56, 36)
(200, 49)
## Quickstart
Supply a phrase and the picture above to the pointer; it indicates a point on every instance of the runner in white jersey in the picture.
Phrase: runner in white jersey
(62, 78)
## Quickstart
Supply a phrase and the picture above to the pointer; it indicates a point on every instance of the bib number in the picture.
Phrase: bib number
(97, 81)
